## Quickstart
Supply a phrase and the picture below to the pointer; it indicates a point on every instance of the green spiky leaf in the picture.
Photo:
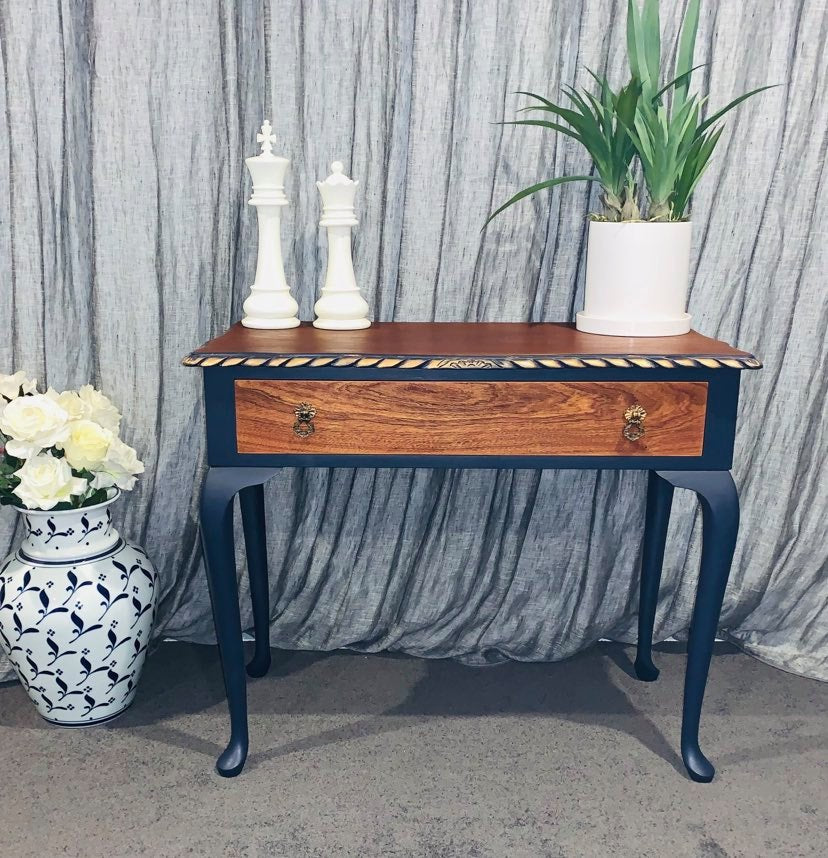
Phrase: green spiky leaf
(533, 189)
(712, 120)
(676, 81)
(686, 49)
(651, 31)
(540, 98)
(635, 45)
(542, 123)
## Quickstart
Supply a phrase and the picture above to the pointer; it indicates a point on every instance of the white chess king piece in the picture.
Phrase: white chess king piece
(341, 307)
(270, 304)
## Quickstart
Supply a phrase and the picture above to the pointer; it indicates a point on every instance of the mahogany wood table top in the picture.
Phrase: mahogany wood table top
(475, 340)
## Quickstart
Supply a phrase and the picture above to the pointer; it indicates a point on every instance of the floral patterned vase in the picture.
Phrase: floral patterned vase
(77, 604)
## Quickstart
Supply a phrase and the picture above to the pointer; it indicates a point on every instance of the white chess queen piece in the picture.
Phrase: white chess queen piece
(341, 306)
(270, 304)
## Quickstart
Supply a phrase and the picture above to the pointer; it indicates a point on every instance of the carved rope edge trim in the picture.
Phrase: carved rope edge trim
(408, 362)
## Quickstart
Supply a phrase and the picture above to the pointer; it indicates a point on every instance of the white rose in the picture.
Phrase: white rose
(101, 409)
(87, 444)
(119, 468)
(71, 403)
(46, 481)
(10, 385)
(32, 423)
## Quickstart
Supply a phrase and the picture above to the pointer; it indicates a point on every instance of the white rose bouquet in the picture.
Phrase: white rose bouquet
(60, 450)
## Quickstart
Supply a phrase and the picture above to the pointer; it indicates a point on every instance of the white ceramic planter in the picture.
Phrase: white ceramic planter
(77, 604)
(636, 279)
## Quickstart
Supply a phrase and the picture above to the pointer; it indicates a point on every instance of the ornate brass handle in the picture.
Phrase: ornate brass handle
(304, 420)
(634, 426)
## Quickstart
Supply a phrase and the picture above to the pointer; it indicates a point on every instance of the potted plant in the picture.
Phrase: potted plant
(77, 602)
(638, 251)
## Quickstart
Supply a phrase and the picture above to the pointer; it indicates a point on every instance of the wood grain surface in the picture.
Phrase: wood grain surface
(460, 339)
(471, 418)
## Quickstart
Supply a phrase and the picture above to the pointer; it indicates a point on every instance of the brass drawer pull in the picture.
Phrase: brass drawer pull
(634, 426)
(304, 420)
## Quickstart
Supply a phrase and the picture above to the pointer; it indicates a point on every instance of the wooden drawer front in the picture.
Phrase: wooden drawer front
(471, 418)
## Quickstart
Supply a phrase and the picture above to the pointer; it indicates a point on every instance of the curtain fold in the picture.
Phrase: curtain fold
(125, 242)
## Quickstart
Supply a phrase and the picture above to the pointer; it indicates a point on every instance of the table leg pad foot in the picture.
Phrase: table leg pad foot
(232, 760)
(259, 665)
(698, 766)
(645, 670)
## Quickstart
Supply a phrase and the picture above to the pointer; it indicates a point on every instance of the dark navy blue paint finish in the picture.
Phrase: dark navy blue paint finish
(720, 524)
(720, 421)
(232, 473)
(659, 501)
(251, 500)
(220, 487)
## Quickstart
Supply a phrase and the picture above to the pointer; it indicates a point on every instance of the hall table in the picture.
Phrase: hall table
(469, 395)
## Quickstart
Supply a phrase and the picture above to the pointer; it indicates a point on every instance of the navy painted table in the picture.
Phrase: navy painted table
(479, 395)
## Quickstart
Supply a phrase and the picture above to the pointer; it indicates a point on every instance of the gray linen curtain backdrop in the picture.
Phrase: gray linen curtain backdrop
(125, 242)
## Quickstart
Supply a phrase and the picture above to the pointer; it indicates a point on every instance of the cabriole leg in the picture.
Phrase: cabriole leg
(252, 504)
(220, 486)
(720, 516)
(659, 501)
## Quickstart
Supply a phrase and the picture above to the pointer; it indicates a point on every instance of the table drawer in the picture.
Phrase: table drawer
(470, 418)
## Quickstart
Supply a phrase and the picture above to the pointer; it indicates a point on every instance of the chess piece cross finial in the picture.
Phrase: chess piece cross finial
(266, 137)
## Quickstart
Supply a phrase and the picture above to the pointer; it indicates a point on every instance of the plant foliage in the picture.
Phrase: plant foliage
(661, 124)
(673, 142)
(599, 124)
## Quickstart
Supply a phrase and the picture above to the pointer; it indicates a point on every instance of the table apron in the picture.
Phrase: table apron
(719, 430)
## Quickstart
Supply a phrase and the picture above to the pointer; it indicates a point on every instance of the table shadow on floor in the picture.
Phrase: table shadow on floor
(580, 690)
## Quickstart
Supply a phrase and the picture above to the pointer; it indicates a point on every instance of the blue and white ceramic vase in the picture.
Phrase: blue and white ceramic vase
(77, 604)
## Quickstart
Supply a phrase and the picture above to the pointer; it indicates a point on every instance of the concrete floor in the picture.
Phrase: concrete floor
(373, 756)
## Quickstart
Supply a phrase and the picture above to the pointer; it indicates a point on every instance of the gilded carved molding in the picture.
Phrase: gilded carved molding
(512, 362)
